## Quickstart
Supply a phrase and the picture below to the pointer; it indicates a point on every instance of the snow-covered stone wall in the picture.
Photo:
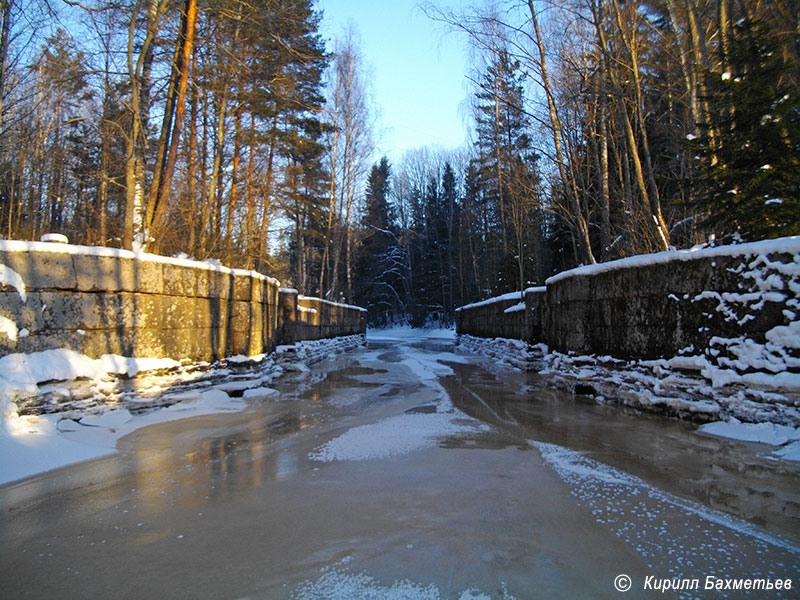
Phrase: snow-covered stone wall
(307, 318)
(106, 301)
(737, 307)
(516, 315)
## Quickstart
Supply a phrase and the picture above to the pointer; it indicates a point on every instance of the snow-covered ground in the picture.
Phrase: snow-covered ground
(58, 407)
(682, 388)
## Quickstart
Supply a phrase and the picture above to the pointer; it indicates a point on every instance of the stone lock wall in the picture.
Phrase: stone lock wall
(516, 316)
(307, 318)
(101, 300)
(738, 304)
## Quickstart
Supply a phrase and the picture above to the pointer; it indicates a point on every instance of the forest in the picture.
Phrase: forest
(231, 130)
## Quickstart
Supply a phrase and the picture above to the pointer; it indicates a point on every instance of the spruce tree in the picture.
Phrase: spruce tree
(379, 268)
(749, 173)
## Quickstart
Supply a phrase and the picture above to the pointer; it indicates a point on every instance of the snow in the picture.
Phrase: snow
(102, 251)
(689, 387)
(516, 308)
(31, 444)
(331, 303)
(488, 301)
(8, 328)
(303, 309)
(789, 452)
(259, 392)
(660, 527)
(122, 365)
(763, 433)
(9, 276)
(787, 245)
(336, 582)
(20, 373)
(391, 437)
(56, 238)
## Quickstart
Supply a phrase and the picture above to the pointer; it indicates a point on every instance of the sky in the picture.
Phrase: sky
(418, 70)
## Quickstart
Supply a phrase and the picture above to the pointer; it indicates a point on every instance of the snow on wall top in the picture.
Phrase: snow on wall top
(502, 298)
(73, 249)
(539, 289)
(787, 245)
(331, 302)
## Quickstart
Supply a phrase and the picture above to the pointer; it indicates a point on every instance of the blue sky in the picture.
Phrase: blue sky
(418, 71)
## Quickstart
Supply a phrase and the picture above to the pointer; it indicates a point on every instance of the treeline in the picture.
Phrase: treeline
(602, 129)
(180, 127)
(226, 129)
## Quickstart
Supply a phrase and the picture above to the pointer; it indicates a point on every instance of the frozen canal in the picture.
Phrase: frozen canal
(405, 470)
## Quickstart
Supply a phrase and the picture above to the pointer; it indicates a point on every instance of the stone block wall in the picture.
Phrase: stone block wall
(101, 300)
(516, 316)
(740, 305)
(306, 318)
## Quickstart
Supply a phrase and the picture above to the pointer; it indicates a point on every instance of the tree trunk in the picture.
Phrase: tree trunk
(176, 104)
(582, 233)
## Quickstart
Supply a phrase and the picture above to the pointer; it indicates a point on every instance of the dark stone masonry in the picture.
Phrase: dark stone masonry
(738, 306)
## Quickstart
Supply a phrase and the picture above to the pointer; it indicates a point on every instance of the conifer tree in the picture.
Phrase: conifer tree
(380, 267)
(749, 176)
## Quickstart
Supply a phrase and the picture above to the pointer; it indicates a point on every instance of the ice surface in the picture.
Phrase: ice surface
(410, 333)
(764, 433)
(34, 444)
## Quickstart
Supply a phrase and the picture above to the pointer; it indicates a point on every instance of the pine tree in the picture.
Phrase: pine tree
(749, 176)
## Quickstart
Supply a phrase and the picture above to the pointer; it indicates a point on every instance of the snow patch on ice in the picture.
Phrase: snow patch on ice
(336, 583)
(392, 437)
(789, 452)
(764, 433)
(259, 392)
(675, 536)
